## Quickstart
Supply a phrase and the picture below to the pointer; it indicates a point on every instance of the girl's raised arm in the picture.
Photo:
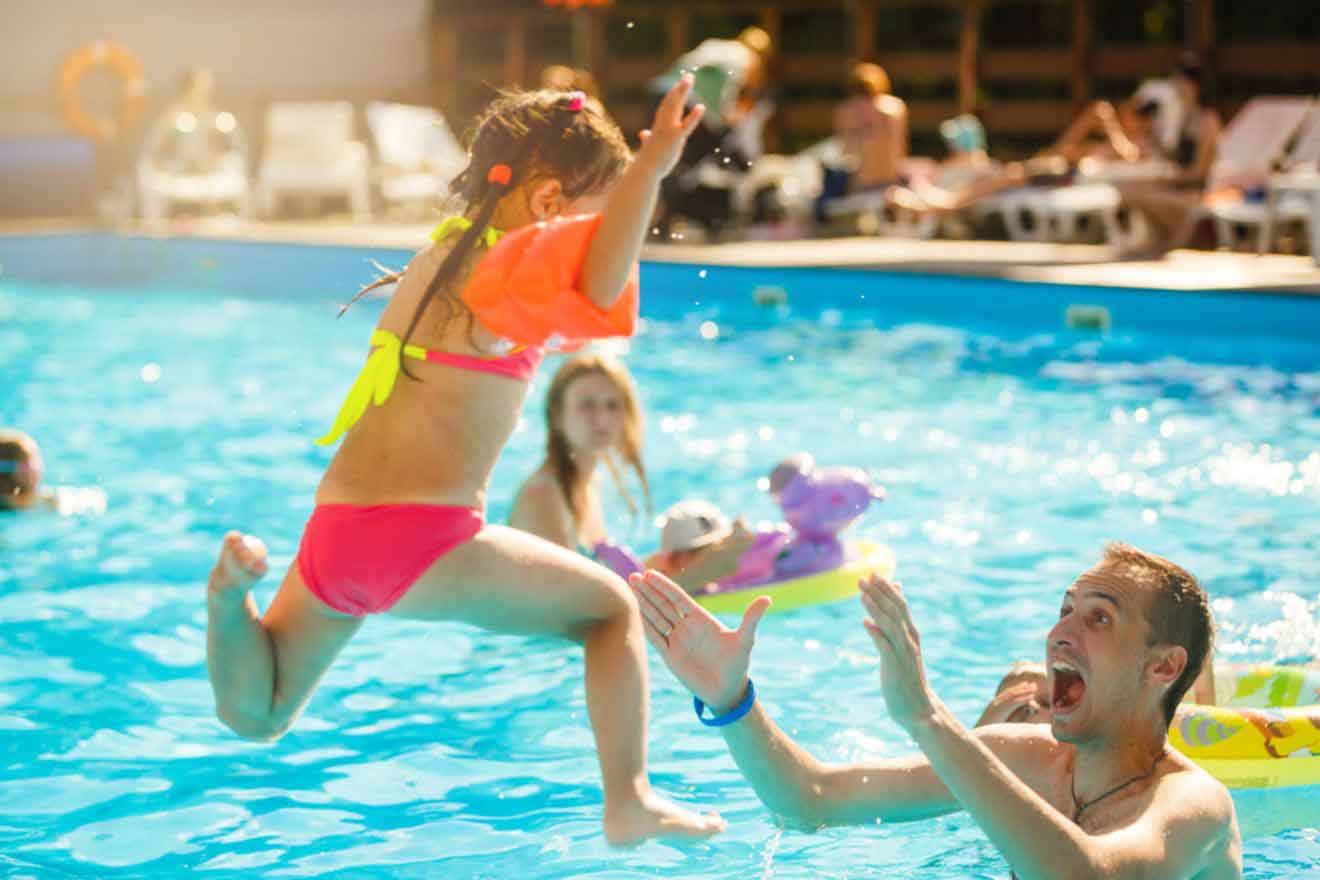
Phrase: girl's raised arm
(627, 212)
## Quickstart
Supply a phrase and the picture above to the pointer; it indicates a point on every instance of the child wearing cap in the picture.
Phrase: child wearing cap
(698, 544)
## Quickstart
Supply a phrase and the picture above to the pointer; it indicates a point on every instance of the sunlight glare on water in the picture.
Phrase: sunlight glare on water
(1011, 448)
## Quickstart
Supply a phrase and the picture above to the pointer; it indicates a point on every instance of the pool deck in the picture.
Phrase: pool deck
(1086, 265)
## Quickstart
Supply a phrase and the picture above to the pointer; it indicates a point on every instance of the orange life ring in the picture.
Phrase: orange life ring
(132, 93)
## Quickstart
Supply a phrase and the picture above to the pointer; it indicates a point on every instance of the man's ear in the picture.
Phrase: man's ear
(546, 199)
(1167, 665)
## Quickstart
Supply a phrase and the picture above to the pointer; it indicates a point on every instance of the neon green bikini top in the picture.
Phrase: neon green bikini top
(375, 382)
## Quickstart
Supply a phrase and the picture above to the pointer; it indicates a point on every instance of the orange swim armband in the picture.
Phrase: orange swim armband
(527, 288)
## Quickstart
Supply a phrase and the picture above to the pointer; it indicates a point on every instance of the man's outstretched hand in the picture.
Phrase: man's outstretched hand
(902, 672)
(707, 657)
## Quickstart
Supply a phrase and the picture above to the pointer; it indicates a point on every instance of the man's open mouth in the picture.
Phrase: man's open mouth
(1069, 687)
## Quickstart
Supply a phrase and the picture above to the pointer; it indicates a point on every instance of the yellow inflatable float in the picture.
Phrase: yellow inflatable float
(863, 558)
(1265, 733)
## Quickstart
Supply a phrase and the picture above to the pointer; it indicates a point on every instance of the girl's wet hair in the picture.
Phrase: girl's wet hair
(541, 135)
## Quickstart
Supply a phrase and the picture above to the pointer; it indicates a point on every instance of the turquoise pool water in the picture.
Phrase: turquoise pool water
(186, 380)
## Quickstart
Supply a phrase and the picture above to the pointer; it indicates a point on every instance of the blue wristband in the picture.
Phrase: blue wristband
(735, 713)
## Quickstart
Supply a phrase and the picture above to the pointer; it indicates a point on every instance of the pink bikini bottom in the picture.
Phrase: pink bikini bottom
(361, 560)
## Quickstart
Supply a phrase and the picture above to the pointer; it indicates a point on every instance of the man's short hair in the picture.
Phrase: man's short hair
(1178, 612)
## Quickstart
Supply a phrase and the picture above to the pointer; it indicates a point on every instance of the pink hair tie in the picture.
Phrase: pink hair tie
(576, 101)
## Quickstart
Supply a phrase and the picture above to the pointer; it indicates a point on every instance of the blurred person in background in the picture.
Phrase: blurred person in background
(193, 136)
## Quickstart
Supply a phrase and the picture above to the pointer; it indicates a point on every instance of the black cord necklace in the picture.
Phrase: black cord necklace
(1081, 808)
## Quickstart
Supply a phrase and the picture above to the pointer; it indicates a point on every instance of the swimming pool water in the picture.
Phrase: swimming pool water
(187, 379)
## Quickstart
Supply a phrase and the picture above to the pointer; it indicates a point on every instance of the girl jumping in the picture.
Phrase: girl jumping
(399, 523)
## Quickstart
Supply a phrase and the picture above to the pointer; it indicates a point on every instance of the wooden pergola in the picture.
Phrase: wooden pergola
(507, 33)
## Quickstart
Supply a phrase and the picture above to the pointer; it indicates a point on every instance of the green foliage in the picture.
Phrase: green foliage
(921, 26)
(1283, 21)
(1139, 22)
(825, 30)
(1027, 23)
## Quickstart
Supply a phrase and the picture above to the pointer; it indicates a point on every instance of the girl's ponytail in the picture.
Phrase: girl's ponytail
(498, 181)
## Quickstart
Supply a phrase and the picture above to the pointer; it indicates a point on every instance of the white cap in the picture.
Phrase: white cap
(691, 524)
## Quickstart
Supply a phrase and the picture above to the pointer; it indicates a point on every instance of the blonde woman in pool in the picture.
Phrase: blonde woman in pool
(592, 418)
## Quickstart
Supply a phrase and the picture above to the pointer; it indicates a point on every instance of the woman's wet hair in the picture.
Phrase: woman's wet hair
(522, 138)
(559, 454)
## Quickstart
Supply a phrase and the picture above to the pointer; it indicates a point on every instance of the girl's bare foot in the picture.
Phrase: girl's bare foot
(241, 564)
(649, 816)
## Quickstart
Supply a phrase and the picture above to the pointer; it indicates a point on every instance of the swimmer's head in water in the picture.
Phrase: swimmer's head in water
(1021, 698)
(20, 469)
(1131, 637)
(591, 409)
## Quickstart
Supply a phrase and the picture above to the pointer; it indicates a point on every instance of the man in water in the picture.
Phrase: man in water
(1100, 792)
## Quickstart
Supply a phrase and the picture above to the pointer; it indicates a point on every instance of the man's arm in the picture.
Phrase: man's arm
(810, 794)
(1176, 836)
(712, 661)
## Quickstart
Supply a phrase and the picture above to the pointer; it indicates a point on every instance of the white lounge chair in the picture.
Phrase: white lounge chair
(311, 151)
(1289, 196)
(1250, 145)
(418, 155)
(1041, 213)
(190, 160)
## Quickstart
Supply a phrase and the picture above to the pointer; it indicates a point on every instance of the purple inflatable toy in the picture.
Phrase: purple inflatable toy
(818, 504)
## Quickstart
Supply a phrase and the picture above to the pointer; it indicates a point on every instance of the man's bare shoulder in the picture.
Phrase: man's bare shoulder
(1194, 792)
(1198, 816)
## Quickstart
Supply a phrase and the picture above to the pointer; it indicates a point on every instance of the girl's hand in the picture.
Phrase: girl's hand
(663, 142)
(708, 658)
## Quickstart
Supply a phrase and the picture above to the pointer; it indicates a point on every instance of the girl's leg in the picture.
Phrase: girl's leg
(510, 581)
(263, 670)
